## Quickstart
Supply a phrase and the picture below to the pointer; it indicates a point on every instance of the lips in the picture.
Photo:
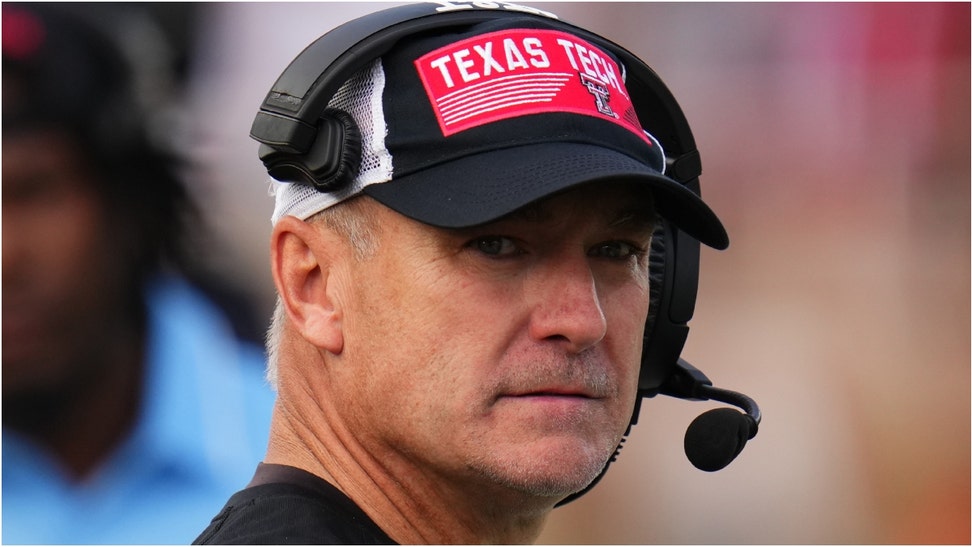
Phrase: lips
(583, 392)
(554, 392)
(555, 407)
(581, 376)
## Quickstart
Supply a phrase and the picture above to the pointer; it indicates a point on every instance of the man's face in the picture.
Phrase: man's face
(502, 355)
(61, 278)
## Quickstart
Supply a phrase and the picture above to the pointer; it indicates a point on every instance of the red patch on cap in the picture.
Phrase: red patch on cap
(520, 72)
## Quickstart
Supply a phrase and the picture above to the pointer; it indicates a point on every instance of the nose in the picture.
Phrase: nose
(568, 309)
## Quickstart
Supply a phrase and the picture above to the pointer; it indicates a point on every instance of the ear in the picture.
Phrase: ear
(302, 258)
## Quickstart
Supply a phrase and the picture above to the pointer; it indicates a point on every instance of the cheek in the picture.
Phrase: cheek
(407, 340)
(64, 253)
(414, 388)
(626, 311)
(62, 288)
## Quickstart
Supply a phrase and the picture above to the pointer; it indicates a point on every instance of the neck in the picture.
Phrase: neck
(407, 503)
(81, 423)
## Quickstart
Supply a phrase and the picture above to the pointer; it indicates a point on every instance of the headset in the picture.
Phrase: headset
(302, 143)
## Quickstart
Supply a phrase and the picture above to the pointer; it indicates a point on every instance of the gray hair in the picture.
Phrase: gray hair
(354, 221)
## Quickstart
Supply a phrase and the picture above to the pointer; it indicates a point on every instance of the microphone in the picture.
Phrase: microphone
(716, 437)
(713, 439)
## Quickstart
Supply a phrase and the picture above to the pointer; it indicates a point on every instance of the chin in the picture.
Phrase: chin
(549, 468)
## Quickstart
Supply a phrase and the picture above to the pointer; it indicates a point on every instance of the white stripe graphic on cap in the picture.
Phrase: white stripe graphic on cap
(539, 84)
(499, 105)
(502, 81)
(496, 95)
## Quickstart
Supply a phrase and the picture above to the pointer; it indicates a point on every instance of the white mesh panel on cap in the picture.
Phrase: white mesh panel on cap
(360, 96)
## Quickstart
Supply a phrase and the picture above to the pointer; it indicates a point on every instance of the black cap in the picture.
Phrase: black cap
(460, 129)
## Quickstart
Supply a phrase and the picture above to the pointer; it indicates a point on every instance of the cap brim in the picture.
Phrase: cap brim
(483, 187)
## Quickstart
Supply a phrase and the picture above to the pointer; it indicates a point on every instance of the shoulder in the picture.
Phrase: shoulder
(292, 513)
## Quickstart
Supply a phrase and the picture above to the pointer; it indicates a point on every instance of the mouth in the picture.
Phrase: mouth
(550, 409)
(554, 392)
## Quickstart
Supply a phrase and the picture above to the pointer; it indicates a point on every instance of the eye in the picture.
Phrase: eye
(616, 250)
(497, 246)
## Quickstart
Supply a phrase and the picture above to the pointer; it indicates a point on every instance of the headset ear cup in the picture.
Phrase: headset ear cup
(653, 371)
(332, 161)
(673, 271)
(656, 275)
(335, 157)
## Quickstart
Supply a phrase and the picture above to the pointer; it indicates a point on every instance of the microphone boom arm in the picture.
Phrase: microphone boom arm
(688, 382)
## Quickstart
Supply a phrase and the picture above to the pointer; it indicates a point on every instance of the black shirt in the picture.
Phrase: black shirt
(286, 505)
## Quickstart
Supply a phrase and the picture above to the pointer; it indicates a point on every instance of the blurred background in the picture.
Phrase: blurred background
(835, 141)
(835, 146)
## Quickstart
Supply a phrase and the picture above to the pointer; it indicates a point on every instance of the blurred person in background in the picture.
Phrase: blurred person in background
(131, 408)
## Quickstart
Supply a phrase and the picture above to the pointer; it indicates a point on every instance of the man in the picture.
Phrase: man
(130, 407)
(462, 301)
